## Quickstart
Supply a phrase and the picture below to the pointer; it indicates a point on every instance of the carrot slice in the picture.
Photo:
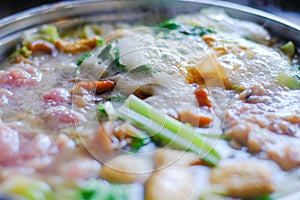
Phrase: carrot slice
(103, 86)
(94, 86)
(202, 97)
(194, 119)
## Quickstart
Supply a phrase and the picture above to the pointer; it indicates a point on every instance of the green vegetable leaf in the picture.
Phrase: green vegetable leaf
(23, 51)
(137, 143)
(82, 58)
(105, 53)
(100, 42)
(186, 29)
(101, 108)
(102, 190)
(49, 33)
(87, 55)
(169, 25)
(146, 69)
(263, 197)
(87, 194)
(110, 55)
(27, 187)
(101, 113)
(118, 98)
(116, 63)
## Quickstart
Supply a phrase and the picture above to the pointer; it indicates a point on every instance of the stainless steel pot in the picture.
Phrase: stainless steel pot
(70, 13)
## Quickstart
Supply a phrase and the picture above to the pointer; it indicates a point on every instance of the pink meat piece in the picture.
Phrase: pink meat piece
(286, 153)
(80, 168)
(30, 146)
(9, 143)
(59, 116)
(56, 96)
(5, 96)
(17, 76)
(34, 147)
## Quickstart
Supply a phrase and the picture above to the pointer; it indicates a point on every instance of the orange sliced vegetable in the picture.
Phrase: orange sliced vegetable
(94, 86)
(82, 45)
(194, 119)
(202, 97)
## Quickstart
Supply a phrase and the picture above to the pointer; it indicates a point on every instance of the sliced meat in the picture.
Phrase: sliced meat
(127, 169)
(285, 152)
(64, 142)
(239, 133)
(243, 179)
(168, 157)
(174, 183)
(103, 143)
(282, 149)
(20, 75)
(40, 145)
(56, 96)
(9, 143)
(80, 168)
(60, 116)
(5, 97)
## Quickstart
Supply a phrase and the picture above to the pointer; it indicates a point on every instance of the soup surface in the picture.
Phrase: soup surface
(202, 106)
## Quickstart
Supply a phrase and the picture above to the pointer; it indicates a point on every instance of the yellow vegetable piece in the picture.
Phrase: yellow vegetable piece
(288, 49)
(27, 188)
(213, 72)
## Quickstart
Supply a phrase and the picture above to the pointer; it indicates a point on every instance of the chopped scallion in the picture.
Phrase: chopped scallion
(167, 129)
